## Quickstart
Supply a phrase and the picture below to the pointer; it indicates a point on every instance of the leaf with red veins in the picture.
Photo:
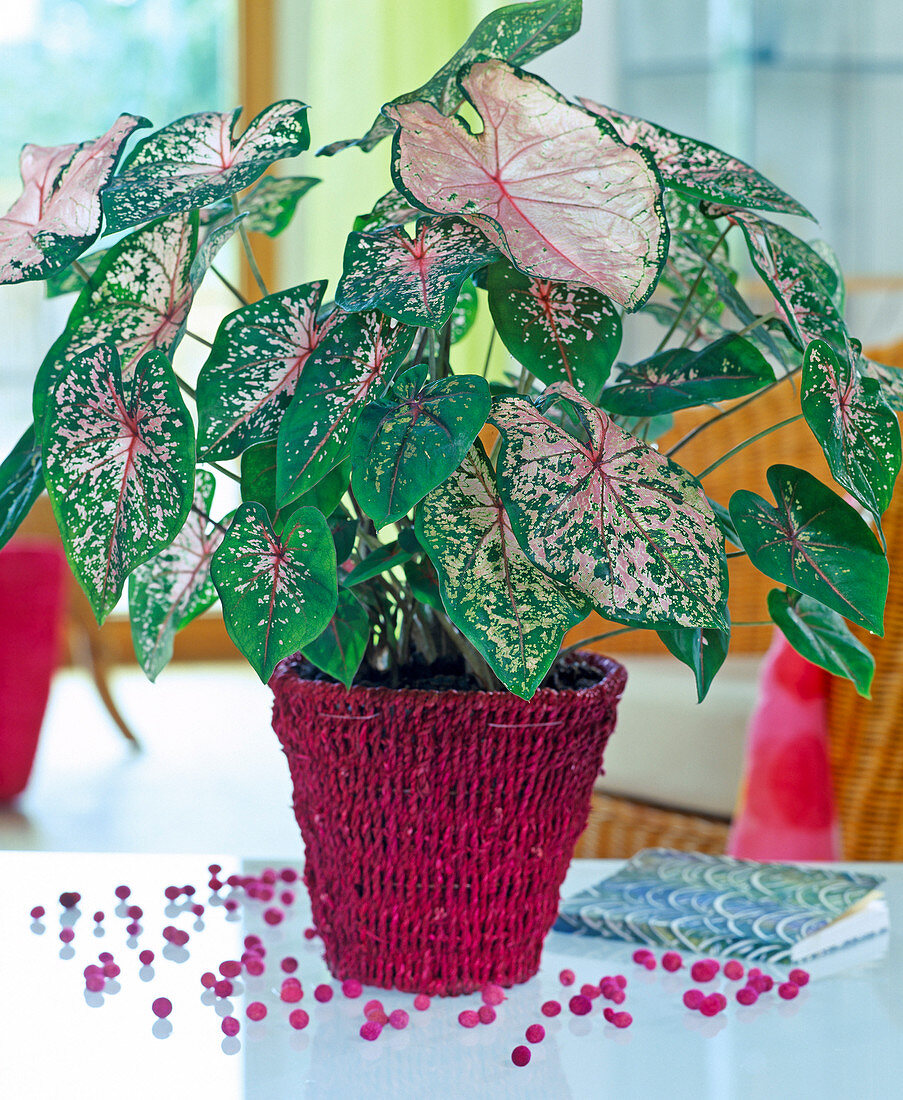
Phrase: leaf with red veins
(610, 517)
(120, 472)
(358, 354)
(197, 160)
(278, 594)
(551, 185)
(136, 301)
(253, 368)
(416, 280)
(58, 214)
(174, 587)
(699, 169)
(513, 613)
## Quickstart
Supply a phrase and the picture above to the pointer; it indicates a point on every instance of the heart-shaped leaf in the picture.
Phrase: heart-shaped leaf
(137, 300)
(340, 649)
(174, 587)
(697, 168)
(816, 543)
(680, 378)
(516, 32)
(258, 482)
(197, 160)
(376, 562)
(21, 483)
(390, 210)
(822, 637)
(120, 472)
(253, 368)
(610, 516)
(701, 650)
(359, 352)
(58, 214)
(551, 185)
(278, 594)
(268, 207)
(508, 609)
(409, 442)
(416, 280)
(858, 433)
(558, 331)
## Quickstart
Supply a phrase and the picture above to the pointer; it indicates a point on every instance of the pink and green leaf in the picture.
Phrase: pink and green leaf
(58, 214)
(340, 649)
(816, 543)
(278, 594)
(258, 482)
(268, 207)
(119, 470)
(610, 516)
(358, 354)
(21, 483)
(561, 332)
(391, 209)
(416, 280)
(197, 160)
(250, 376)
(702, 650)
(889, 379)
(552, 186)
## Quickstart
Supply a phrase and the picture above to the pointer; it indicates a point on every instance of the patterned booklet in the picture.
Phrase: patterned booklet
(775, 912)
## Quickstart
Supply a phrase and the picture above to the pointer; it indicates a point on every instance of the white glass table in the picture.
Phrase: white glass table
(842, 1037)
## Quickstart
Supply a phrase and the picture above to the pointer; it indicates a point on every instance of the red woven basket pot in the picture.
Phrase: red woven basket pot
(438, 826)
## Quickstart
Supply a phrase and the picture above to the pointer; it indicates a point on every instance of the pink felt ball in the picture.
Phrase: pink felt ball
(767, 983)
(733, 970)
(535, 1033)
(133, 928)
(288, 874)
(105, 957)
(95, 983)
(371, 1030)
(135, 912)
(580, 1005)
(649, 962)
(371, 1005)
(486, 1014)
(788, 990)
(98, 917)
(609, 988)
(287, 897)
(323, 993)
(693, 998)
(622, 1019)
(618, 996)
(567, 977)
(799, 977)
(421, 1002)
(641, 955)
(230, 1025)
(171, 893)
(93, 971)
(198, 910)
(398, 1019)
(492, 994)
(591, 991)
(230, 905)
(747, 995)
(710, 1006)
(352, 988)
(621, 981)
(609, 1013)
(289, 964)
(672, 961)
(214, 868)
(377, 1014)
(703, 971)
(208, 979)
(146, 958)
(298, 1018)
(223, 988)
(310, 933)
(162, 1007)
(273, 915)
(122, 892)
(256, 1010)
(291, 991)
(520, 1056)
(550, 1008)
(255, 967)
(67, 935)
(468, 1018)
(37, 912)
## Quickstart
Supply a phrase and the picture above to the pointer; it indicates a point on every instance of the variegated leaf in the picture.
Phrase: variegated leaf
(253, 368)
(516, 33)
(392, 209)
(21, 483)
(693, 251)
(58, 214)
(680, 378)
(119, 471)
(197, 160)
(278, 594)
(268, 207)
(465, 311)
(416, 280)
(815, 542)
(137, 300)
(359, 352)
(889, 379)
(701, 650)
(508, 609)
(558, 331)
(340, 649)
(610, 516)
(174, 587)
(409, 442)
(697, 168)
(858, 433)
(258, 482)
(551, 185)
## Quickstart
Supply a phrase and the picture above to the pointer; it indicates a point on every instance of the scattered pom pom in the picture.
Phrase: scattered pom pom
(230, 1026)
(733, 970)
(37, 912)
(352, 988)
(291, 991)
(486, 1014)
(567, 977)
(133, 928)
(273, 915)
(323, 993)
(468, 1018)
(371, 1030)
(110, 970)
(788, 990)
(671, 961)
(704, 970)
(641, 955)
(621, 981)
(310, 933)
(162, 1007)
(520, 1056)
(98, 917)
(256, 1010)
(550, 1008)
(299, 1019)
(105, 957)
(146, 957)
(377, 1014)
(421, 1002)
(711, 1006)
(693, 998)
(289, 964)
(591, 991)
(747, 995)
(622, 1019)
(208, 979)
(67, 935)
(618, 996)
(398, 1019)
(370, 1005)
(255, 966)
(649, 962)
(223, 988)
(95, 983)
(799, 977)
(609, 1013)
(70, 899)
(535, 1033)
(580, 1005)
(122, 892)
(492, 994)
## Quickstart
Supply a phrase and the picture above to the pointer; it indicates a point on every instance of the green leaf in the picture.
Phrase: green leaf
(516, 33)
(344, 533)
(69, 281)
(889, 379)
(414, 279)
(410, 441)
(465, 311)
(376, 562)
(822, 637)
(174, 587)
(278, 594)
(558, 331)
(392, 209)
(423, 581)
(358, 354)
(680, 378)
(258, 482)
(508, 609)
(269, 206)
(120, 472)
(407, 540)
(21, 483)
(701, 650)
(340, 649)
(858, 433)
(609, 517)
(723, 518)
(816, 543)
(250, 376)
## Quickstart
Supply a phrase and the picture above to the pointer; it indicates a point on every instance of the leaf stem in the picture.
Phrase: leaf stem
(681, 313)
(209, 519)
(221, 469)
(597, 638)
(228, 285)
(200, 339)
(246, 244)
(489, 352)
(185, 388)
(79, 270)
(747, 442)
(762, 320)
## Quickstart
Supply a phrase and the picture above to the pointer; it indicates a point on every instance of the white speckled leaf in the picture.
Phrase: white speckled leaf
(21, 483)
(120, 472)
(58, 214)
(174, 587)
(610, 516)
(391, 209)
(197, 160)
(697, 168)
(416, 280)
(137, 300)
(269, 206)
(508, 609)
(278, 594)
(890, 380)
(550, 184)
(250, 376)
(359, 352)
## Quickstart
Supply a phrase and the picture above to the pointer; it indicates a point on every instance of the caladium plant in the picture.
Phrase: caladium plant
(398, 510)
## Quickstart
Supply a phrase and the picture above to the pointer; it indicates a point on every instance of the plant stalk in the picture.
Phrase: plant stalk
(747, 442)
(246, 244)
(681, 313)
